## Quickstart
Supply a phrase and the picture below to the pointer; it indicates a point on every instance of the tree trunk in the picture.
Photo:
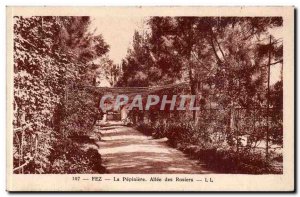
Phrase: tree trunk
(194, 91)
(268, 105)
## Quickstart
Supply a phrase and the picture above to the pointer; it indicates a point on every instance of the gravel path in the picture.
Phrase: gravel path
(126, 150)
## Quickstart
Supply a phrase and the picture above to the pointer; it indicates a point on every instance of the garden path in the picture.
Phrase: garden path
(125, 150)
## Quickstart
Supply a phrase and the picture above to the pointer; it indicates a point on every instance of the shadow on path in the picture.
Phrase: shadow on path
(126, 150)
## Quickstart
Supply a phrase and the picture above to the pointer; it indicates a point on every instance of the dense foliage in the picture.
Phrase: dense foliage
(227, 62)
(50, 54)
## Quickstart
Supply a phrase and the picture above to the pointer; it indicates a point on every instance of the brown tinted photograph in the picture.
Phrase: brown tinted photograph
(182, 95)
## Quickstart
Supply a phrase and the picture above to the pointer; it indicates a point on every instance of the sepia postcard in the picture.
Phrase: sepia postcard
(150, 99)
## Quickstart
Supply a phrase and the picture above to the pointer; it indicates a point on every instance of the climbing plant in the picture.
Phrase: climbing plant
(50, 53)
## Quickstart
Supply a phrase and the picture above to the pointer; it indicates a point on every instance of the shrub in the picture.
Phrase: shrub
(198, 143)
(76, 160)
